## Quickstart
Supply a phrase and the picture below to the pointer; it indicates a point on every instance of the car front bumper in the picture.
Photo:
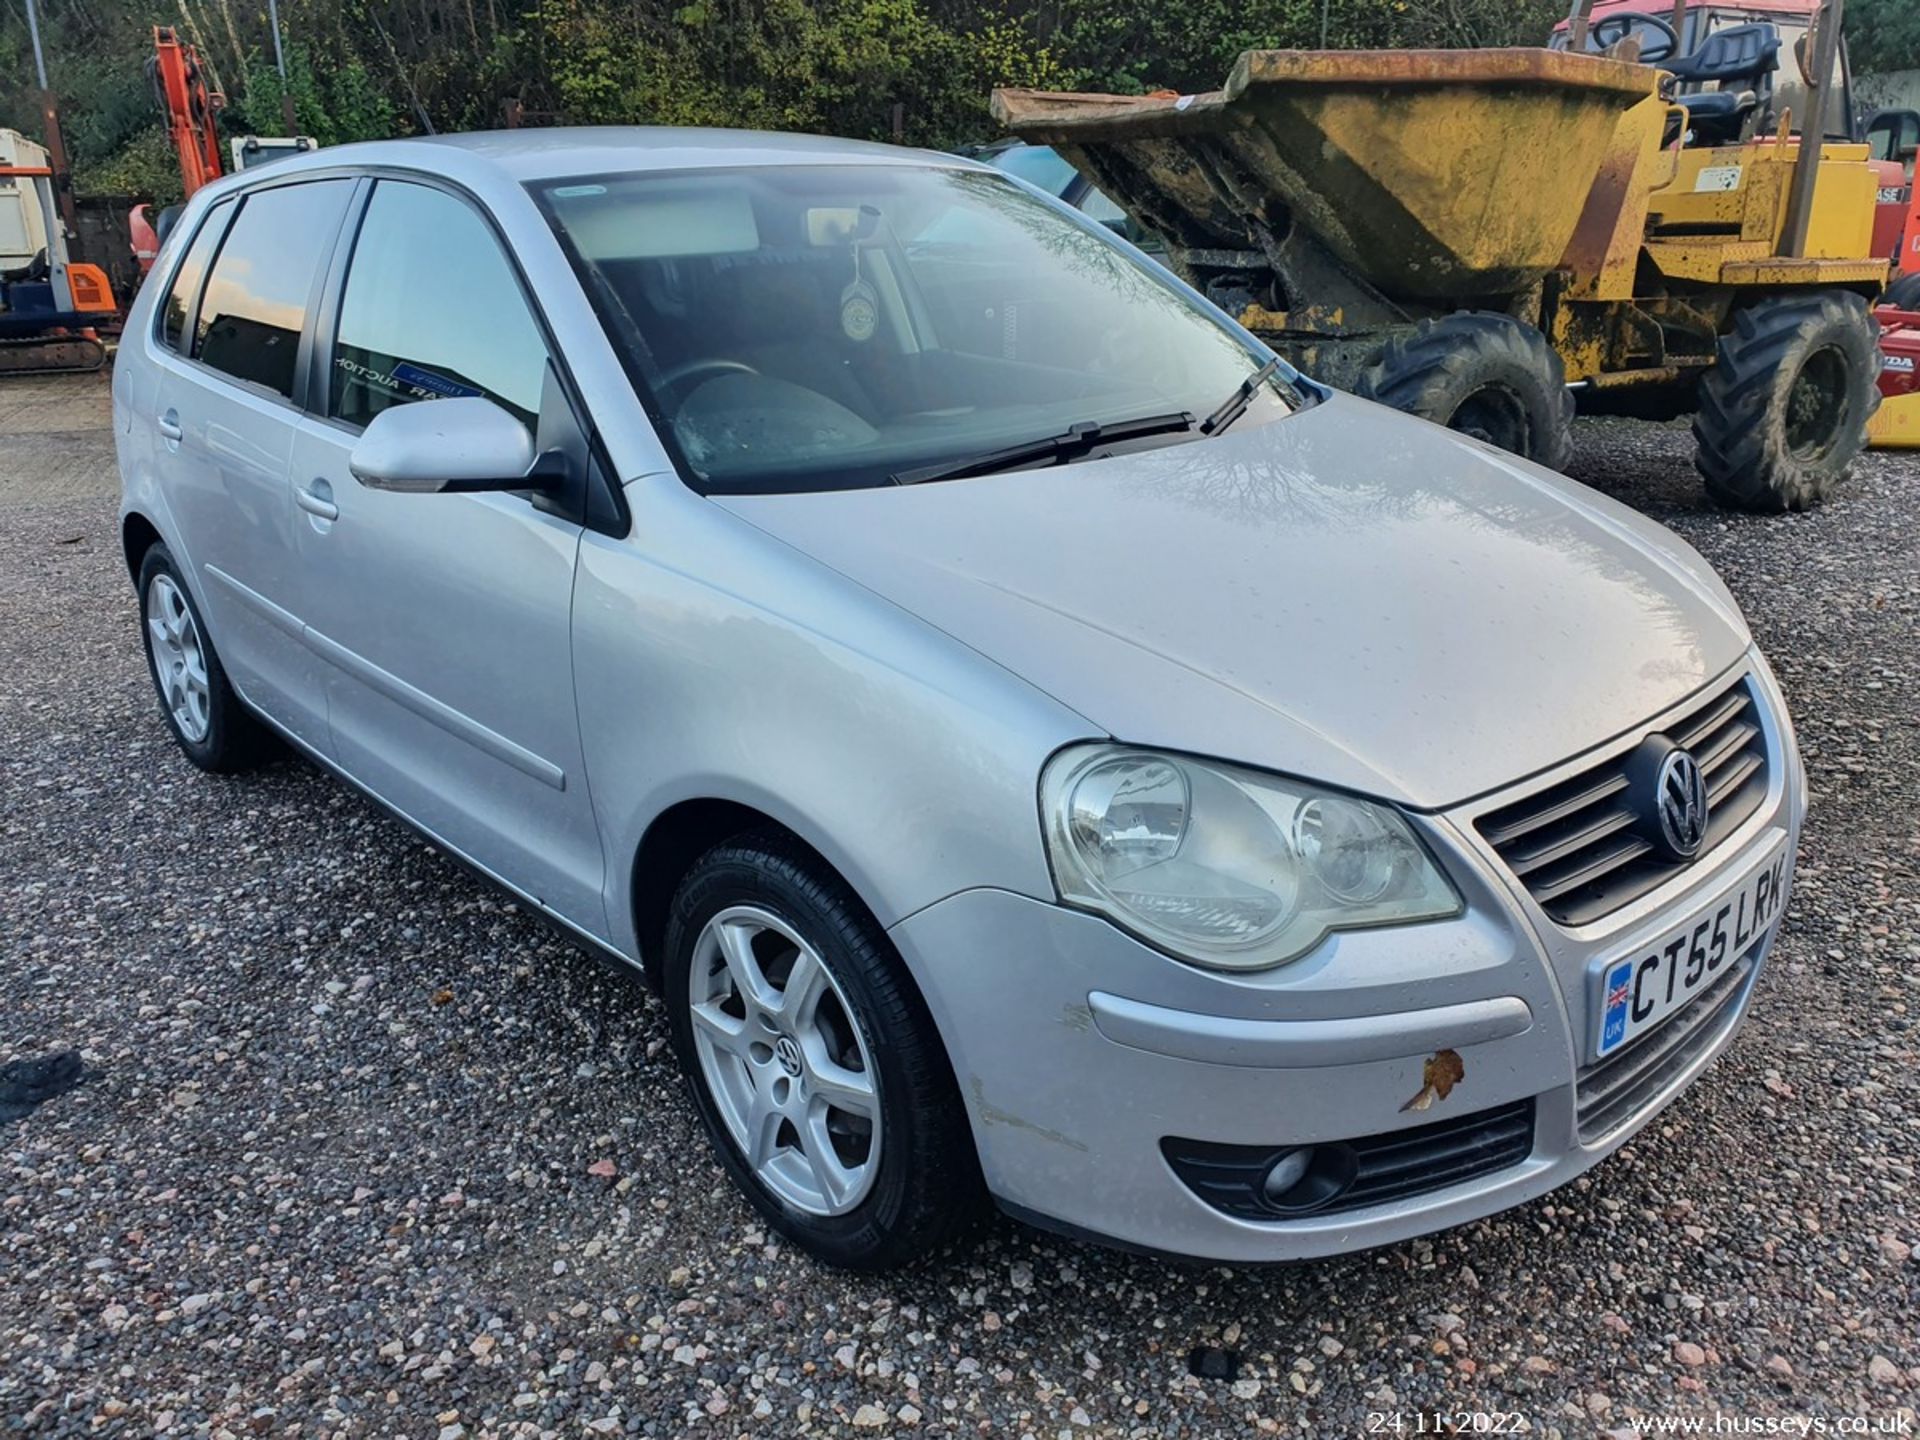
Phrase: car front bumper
(1091, 1063)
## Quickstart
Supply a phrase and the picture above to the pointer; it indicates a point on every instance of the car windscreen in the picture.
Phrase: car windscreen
(829, 327)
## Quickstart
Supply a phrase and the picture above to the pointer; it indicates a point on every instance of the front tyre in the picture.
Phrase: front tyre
(212, 727)
(1485, 375)
(1784, 410)
(812, 1061)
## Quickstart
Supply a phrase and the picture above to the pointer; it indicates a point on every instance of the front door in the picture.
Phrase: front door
(444, 619)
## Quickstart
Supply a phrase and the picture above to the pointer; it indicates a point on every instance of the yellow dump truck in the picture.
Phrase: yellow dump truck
(1474, 235)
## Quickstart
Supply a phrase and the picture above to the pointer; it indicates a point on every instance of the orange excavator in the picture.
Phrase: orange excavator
(191, 109)
(51, 307)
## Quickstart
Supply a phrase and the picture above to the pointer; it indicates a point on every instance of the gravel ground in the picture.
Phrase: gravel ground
(364, 1151)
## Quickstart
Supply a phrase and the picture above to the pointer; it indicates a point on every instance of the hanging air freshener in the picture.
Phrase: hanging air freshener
(859, 305)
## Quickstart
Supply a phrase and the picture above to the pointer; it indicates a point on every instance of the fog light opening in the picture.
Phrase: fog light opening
(1285, 1173)
(1306, 1177)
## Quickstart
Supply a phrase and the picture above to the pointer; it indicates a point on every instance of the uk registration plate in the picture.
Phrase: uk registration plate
(1640, 990)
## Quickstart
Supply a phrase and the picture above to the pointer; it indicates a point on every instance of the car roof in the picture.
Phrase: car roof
(562, 151)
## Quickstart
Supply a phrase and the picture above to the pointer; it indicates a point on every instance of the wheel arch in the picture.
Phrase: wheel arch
(677, 837)
(138, 535)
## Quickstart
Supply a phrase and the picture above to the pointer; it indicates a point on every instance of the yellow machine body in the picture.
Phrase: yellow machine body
(1375, 187)
(1896, 424)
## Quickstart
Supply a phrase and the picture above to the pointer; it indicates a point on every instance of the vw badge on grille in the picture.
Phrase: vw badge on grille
(1680, 802)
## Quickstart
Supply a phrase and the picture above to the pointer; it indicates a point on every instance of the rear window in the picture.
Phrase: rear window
(193, 269)
(256, 300)
(1037, 165)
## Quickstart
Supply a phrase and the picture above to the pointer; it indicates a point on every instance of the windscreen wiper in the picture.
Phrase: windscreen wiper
(1070, 444)
(1235, 405)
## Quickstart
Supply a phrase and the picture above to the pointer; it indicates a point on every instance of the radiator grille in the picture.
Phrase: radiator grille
(1577, 846)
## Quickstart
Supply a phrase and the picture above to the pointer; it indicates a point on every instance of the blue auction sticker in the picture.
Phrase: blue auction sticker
(408, 373)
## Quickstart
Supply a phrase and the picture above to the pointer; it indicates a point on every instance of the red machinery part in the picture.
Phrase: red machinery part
(1893, 216)
(146, 240)
(1896, 426)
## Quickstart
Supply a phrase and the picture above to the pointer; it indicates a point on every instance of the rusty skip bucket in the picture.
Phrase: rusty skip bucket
(1431, 174)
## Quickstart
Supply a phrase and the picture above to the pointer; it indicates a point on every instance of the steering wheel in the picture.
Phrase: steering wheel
(1611, 31)
(673, 378)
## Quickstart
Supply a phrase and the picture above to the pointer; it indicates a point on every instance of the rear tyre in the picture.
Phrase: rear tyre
(1784, 410)
(1485, 375)
(1904, 292)
(212, 727)
(813, 1061)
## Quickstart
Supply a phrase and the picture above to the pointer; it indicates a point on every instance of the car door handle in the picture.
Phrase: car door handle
(316, 503)
(169, 426)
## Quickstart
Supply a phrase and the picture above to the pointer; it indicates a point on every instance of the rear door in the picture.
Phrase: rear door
(445, 619)
(227, 404)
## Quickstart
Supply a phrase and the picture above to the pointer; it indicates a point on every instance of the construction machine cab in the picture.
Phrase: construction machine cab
(1894, 135)
(1740, 63)
(1722, 31)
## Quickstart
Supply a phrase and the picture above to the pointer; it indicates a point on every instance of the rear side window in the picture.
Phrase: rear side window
(432, 310)
(256, 301)
(193, 269)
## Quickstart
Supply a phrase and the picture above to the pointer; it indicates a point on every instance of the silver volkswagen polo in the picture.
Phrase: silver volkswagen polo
(1039, 746)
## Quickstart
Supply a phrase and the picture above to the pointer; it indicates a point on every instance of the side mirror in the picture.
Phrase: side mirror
(1803, 56)
(430, 446)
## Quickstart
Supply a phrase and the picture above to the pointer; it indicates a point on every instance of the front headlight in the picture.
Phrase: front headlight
(1226, 867)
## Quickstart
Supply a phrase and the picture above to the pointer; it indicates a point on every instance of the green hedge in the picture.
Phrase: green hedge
(919, 69)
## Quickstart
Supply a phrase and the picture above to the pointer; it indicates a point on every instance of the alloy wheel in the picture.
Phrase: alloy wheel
(179, 658)
(786, 1065)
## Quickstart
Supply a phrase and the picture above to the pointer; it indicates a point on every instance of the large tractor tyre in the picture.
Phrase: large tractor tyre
(1485, 375)
(1784, 410)
(1904, 292)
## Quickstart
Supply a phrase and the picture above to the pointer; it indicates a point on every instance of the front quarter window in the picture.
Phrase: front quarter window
(432, 310)
(828, 327)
